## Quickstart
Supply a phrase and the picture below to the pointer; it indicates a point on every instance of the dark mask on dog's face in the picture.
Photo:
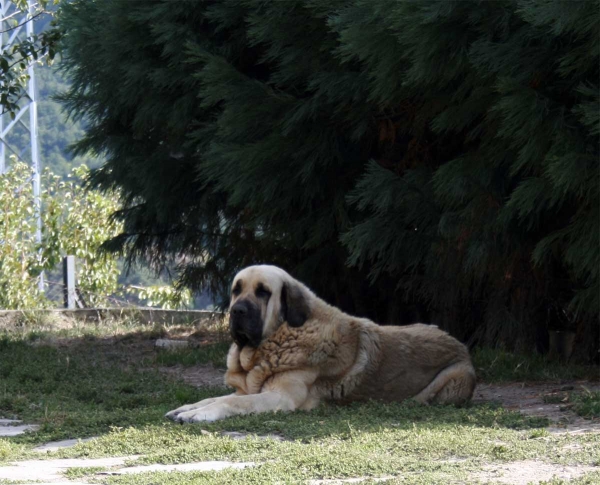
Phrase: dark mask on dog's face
(245, 323)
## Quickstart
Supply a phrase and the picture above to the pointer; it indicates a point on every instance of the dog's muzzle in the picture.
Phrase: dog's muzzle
(245, 323)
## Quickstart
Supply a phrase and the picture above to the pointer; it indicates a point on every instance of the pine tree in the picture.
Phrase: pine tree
(434, 156)
(506, 225)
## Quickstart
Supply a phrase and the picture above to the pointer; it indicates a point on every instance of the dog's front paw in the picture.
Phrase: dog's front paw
(176, 412)
(212, 412)
(189, 407)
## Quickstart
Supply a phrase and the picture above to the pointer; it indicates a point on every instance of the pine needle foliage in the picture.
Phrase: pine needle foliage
(433, 156)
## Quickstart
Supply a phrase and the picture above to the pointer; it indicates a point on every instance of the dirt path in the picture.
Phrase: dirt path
(528, 472)
(528, 399)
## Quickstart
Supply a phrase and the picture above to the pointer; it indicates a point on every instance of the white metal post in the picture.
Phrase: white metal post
(3, 12)
(35, 161)
(69, 282)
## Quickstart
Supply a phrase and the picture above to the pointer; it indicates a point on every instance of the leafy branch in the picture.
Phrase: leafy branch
(18, 57)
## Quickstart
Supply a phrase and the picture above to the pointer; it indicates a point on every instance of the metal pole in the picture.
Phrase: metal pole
(3, 11)
(69, 282)
(35, 162)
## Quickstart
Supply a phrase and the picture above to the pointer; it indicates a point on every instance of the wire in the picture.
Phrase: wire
(87, 293)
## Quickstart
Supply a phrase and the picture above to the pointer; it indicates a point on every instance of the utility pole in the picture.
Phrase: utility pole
(15, 25)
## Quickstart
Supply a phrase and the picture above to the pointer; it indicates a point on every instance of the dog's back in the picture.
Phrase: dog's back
(421, 362)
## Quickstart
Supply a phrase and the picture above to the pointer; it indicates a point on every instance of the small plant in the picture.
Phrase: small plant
(84, 471)
(587, 403)
(556, 398)
(165, 297)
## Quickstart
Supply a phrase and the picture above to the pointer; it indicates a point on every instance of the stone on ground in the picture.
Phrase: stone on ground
(58, 445)
(204, 466)
(11, 427)
(51, 470)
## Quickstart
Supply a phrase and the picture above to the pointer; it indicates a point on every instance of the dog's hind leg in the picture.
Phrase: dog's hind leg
(453, 385)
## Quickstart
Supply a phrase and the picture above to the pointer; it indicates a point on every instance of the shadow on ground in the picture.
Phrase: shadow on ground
(76, 387)
(84, 386)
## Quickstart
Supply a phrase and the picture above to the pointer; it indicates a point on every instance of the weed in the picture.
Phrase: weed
(587, 403)
(83, 471)
(556, 398)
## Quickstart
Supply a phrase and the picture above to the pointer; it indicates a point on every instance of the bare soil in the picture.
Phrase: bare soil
(530, 472)
(198, 375)
(528, 399)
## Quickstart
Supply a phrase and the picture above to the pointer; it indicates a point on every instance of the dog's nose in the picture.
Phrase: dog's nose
(239, 310)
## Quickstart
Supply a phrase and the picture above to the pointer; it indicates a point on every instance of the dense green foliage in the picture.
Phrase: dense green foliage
(74, 221)
(434, 156)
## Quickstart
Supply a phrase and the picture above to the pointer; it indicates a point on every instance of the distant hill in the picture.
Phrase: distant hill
(56, 133)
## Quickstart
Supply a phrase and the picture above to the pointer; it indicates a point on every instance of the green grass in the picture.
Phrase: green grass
(84, 471)
(587, 404)
(83, 389)
(106, 382)
(369, 440)
(592, 478)
(215, 354)
(494, 365)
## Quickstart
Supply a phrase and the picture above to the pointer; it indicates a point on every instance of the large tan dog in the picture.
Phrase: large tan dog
(292, 349)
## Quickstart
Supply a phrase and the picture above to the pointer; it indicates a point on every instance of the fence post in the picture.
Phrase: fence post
(69, 282)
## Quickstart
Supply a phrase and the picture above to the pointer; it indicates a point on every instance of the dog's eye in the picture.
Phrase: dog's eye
(262, 292)
(236, 290)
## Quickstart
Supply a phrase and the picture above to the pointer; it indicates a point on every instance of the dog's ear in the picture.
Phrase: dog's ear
(294, 307)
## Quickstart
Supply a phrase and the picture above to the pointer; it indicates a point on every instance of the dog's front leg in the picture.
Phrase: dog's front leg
(284, 392)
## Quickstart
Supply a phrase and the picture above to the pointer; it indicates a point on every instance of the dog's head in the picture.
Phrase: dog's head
(262, 298)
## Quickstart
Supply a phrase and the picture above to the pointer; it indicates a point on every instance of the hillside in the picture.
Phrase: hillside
(56, 132)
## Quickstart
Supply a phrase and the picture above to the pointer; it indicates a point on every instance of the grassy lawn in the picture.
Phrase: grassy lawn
(107, 381)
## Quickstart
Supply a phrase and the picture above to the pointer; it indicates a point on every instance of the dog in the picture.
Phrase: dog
(292, 350)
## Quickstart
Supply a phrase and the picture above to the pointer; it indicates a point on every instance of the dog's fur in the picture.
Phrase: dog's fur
(292, 350)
